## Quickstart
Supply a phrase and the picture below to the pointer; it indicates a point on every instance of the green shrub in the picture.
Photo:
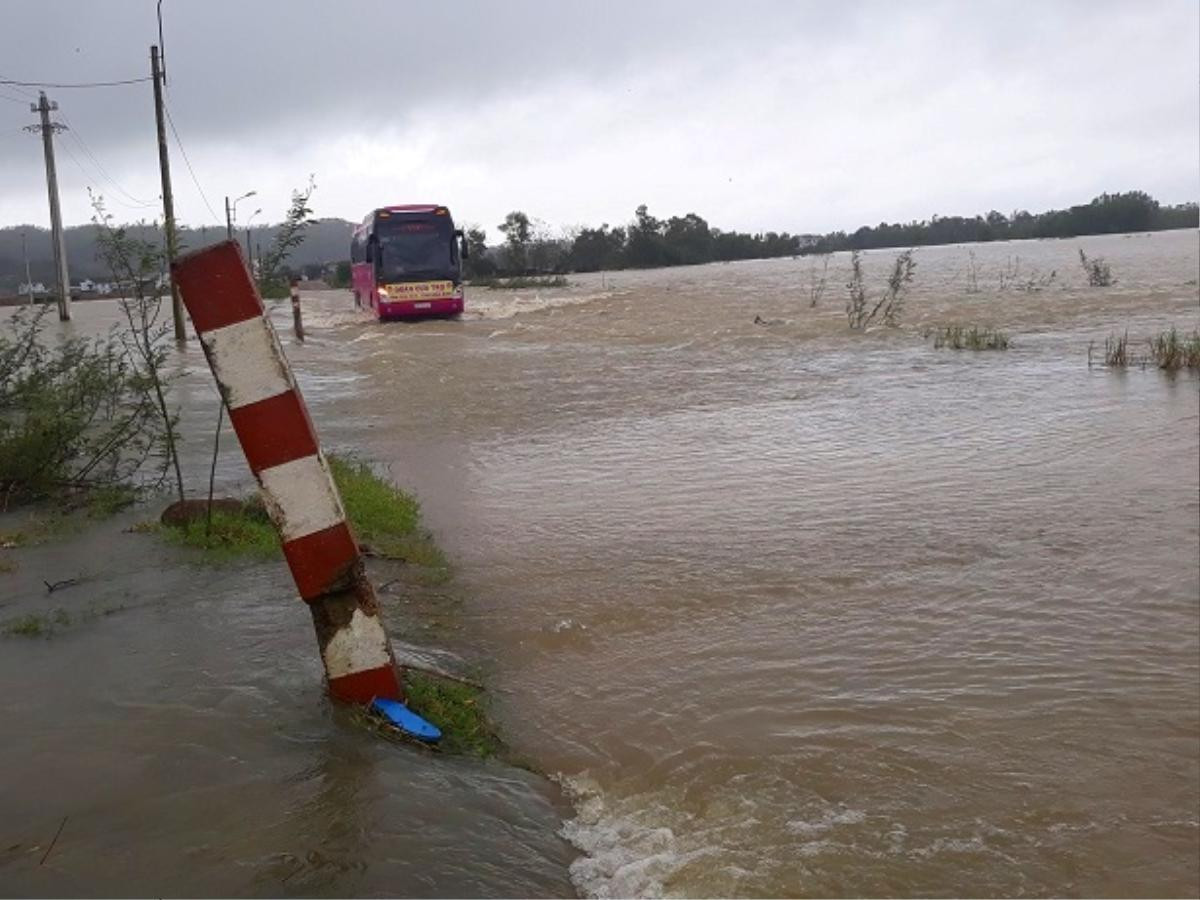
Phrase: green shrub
(75, 414)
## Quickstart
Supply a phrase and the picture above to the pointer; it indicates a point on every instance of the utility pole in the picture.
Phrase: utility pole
(28, 279)
(164, 164)
(47, 128)
(228, 220)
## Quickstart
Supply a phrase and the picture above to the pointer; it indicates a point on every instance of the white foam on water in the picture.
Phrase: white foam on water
(829, 819)
(488, 304)
(622, 855)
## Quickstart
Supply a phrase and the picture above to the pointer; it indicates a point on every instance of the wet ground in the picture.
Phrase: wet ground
(786, 610)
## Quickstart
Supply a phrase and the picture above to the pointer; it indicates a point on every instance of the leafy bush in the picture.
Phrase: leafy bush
(74, 413)
(1099, 273)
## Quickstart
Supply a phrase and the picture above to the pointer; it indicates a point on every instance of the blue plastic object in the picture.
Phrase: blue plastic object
(407, 720)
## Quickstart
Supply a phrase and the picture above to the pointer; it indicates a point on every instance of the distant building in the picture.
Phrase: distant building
(37, 288)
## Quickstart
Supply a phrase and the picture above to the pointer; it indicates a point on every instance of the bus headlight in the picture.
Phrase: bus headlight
(383, 293)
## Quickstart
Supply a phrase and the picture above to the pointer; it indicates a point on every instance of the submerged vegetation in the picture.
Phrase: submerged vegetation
(458, 709)
(958, 337)
(247, 533)
(1172, 351)
(860, 313)
(385, 519)
(1169, 351)
(37, 624)
(1099, 273)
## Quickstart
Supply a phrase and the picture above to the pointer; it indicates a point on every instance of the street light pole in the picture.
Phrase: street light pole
(249, 250)
(231, 212)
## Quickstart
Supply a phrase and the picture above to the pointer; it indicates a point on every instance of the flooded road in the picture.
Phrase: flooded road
(786, 610)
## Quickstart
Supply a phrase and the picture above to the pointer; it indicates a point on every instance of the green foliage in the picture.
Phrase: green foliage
(341, 276)
(477, 263)
(957, 337)
(141, 267)
(457, 709)
(37, 624)
(109, 500)
(1098, 272)
(1106, 214)
(75, 414)
(272, 279)
(518, 233)
(385, 518)
(249, 533)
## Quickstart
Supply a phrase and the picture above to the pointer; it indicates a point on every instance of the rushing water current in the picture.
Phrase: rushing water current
(784, 609)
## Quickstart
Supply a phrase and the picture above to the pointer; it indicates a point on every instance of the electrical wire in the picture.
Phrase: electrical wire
(83, 84)
(87, 176)
(78, 138)
(188, 163)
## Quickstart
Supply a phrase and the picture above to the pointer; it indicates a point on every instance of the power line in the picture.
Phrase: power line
(88, 176)
(188, 163)
(21, 90)
(78, 138)
(82, 84)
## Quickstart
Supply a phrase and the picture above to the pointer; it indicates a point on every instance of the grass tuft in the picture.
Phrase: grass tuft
(37, 624)
(957, 337)
(456, 708)
(107, 501)
(232, 535)
(386, 519)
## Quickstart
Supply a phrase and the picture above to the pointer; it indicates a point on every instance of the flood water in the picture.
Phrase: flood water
(783, 609)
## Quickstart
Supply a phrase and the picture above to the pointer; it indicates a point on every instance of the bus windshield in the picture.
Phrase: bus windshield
(410, 247)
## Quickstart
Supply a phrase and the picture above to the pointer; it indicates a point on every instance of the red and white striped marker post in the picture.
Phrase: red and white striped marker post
(297, 322)
(276, 434)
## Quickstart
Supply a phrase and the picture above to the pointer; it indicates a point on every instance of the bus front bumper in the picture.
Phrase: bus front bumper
(415, 309)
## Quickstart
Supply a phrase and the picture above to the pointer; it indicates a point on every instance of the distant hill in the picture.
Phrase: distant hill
(328, 241)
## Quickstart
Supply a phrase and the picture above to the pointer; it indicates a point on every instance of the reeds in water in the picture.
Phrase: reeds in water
(959, 337)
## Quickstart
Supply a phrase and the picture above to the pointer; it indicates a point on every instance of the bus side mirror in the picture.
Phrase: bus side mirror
(462, 243)
(370, 251)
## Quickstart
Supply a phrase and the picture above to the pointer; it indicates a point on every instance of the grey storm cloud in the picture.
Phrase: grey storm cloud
(802, 116)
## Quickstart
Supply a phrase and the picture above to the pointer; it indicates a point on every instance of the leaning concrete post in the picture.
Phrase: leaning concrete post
(272, 424)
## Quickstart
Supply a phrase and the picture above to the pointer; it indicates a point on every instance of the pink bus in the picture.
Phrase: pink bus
(406, 262)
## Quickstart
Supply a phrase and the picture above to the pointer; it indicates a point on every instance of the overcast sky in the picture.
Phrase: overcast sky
(757, 115)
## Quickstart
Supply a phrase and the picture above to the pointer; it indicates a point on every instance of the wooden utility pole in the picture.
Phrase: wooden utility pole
(47, 128)
(164, 164)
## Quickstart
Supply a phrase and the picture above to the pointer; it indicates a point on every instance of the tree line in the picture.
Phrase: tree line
(647, 241)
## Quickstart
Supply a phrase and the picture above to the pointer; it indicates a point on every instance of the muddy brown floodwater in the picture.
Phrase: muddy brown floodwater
(785, 610)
